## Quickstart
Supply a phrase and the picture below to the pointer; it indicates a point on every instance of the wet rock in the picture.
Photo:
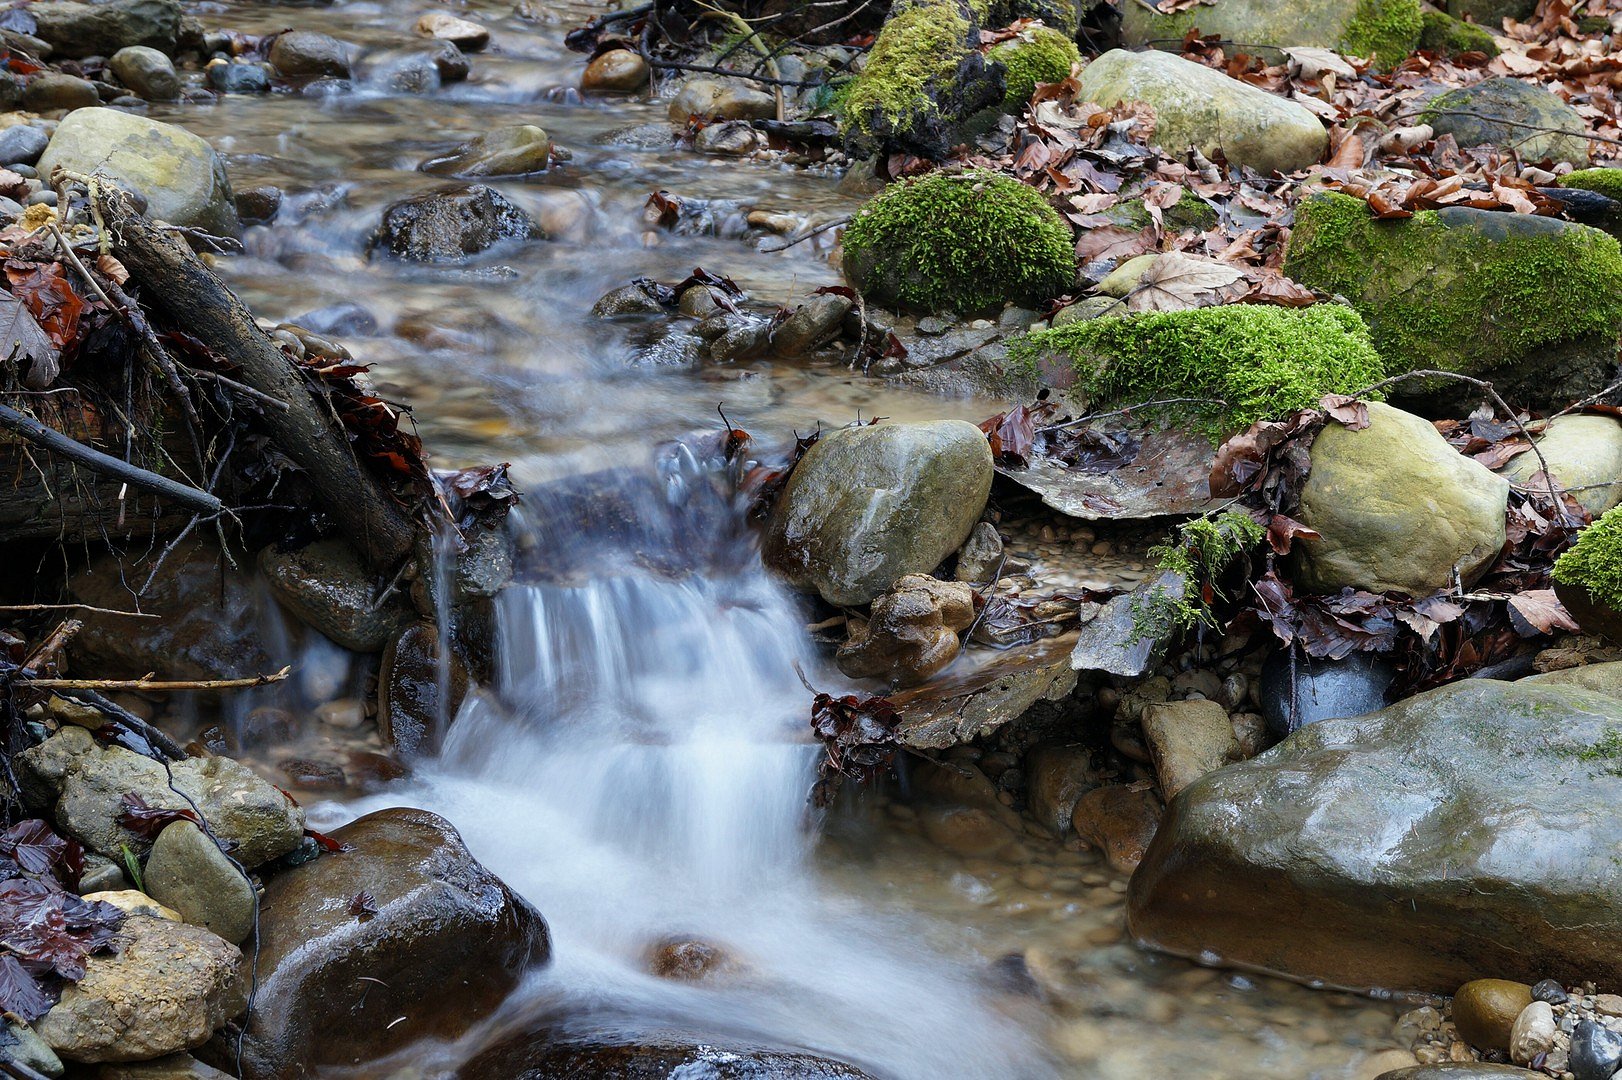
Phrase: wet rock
(1120, 820)
(452, 224)
(626, 300)
(1550, 991)
(687, 960)
(168, 988)
(134, 902)
(306, 54)
(258, 206)
(1321, 689)
(91, 782)
(541, 1054)
(465, 34)
(1110, 642)
(238, 77)
(22, 144)
(328, 587)
(734, 138)
(1388, 30)
(19, 1043)
(505, 151)
(1532, 1034)
(51, 92)
(1484, 1011)
(178, 173)
(1584, 454)
(446, 945)
(980, 555)
(100, 873)
(190, 874)
(813, 324)
(724, 99)
(912, 632)
(1398, 508)
(1196, 105)
(617, 71)
(1455, 1070)
(966, 830)
(173, 1067)
(1476, 787)
(419, 71)
(1596, 1051)
(867, 505)
(1188, 739)
(1514, 116)
(146, 71)
(75, 30)
(1057, 778)
(343, 319)
(416, 700)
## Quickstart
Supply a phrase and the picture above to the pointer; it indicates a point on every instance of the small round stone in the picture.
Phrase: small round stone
(1484, 1011)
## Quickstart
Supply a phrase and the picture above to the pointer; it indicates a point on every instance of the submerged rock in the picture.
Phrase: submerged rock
(75, 30)
(452, 224)
(868, 505)
(617, 71)
(1120, 820)
(329, 588)
(181, 177)
(307, 54)
(1462, 833)
(1386, 30)
(1056, 779)
(1517, 117)
(416, 700)
(1201, 107)
(505, 151)
(341, 982)
(657, 1058)
(1398, 509)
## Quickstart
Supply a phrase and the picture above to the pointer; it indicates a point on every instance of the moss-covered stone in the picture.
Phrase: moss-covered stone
(1515, 116)
(1595, 561)
(1039, 55)
(1190, 213)
(1384, 30)
(1607, 182)
(1444, 34)
(961, 242)
(1492, 12)
(1533, 303)
(1259, 361)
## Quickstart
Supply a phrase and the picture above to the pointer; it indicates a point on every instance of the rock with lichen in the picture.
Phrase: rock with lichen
(1037, 55)
(1442, 33)
(961, 242)
(1385, 30)
(1532, 303)
(1517, 117)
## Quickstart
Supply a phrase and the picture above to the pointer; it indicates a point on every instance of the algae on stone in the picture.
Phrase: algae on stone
(1260, 362)
(1594, 562)
(1383, 30)
(1040, 55)
(961, 242)
(1533, 303)
(1607, 182)
(1448, 36)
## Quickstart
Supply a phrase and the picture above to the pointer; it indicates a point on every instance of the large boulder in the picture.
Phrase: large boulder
(867, 505)
(1533, 304)
(403, 936)
(1514, 116)
(1397, 509)
(75, 30)
(1584, 455)
(1202, 107)
(1386, 30)
(168, 988)
(1464, 833)
(451, 224)
(181, 177)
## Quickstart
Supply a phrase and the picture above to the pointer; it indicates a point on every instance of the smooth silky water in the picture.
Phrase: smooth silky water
(641, 770)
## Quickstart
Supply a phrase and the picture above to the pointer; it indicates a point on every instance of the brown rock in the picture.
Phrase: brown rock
(1484, 1011)
(1188, 739)
(173, 1067)
(463, 33)
(967, 830)
(415, 700)
(687, 959)
(617, 71)
(1120, 821)
(1056, 779)
(912, 633)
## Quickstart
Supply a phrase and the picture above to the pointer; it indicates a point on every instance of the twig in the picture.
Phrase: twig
(79, 607)
(56, 442)
(1542, 128)
(147, 683)
(238, 388)
(46, 655)
(154, 735)
(820, 229)
(1591, 399)
(1090, 417)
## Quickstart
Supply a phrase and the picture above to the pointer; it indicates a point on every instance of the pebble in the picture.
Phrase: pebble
(1533, 1033)
(1484, 1011)
(1551, 991)
(1608, 1004)
(22, 144)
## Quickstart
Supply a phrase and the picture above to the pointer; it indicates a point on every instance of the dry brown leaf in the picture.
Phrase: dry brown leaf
(1176, 281)
(112, 268)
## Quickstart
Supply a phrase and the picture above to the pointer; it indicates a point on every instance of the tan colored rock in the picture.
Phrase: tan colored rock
(617, 71)
(912, 633)
(135, 902)
(1188, 739)
(707, 99)
(1056, 777)
(1584, 454)
(1119, 820)
(173, 1067)
(1532, 1033)
(465, 34)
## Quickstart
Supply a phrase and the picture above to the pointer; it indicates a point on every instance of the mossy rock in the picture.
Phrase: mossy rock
(1190, 213)
(961, 242)
(1588, 577)
(1515, 116)
(1062, 15)
(1039, 55)
(1608, 182)
(1492, 13)
(1447, 36)
(1261, 362)
(1532, 303)
(1384, 30)
(924, 78)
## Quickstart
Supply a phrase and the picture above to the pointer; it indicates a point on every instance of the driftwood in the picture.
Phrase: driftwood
(175, 279)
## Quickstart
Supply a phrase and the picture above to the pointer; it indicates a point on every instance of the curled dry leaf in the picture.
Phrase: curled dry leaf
(1176, 282)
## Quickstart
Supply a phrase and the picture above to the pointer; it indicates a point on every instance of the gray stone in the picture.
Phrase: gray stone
(238, 77)
(1262, 26)
(146, 71)
(101, 874)
(661, 1054)
(1187, 739)
(867, 505)
(729, 99)
(1514, 116)
(1477, 789)
(328, 587)
(167, 988)
(1457, 1070)
(1111, 642)
(187, 872)
(1584, 454)
(179, 174)
(1322, 689)
(813, 324)
(1532, 1033)
(505, 151)
(51, 92)
(22, 144)
(626, 300)
(1398, 509)
(75, 30)
(980, 555)
(307, 54)
(1596, 1051)
(19, 1043)
(1199, 106)
(452, 224)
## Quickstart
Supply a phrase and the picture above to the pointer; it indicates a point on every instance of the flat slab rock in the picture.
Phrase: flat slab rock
(959, 707)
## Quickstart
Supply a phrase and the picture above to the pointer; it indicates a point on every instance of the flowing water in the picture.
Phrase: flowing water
(641, 770)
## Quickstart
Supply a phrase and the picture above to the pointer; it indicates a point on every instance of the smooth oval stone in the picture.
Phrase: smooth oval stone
(1321, 689)
(1484, 1011)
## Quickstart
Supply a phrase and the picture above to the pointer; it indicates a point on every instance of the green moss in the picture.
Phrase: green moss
(1190, 213)
(919, 46)
(1383, 30)
(1040, 55)
(960, 242)
(1594, 562)
(1607, 182)
(1471, 293)
(1201, 554)
(1448, 36)
(1261, 362)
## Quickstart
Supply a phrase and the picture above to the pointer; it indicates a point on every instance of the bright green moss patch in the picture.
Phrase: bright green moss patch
(1448, 36)
(1261, 362)
(1594, 562)
(1201, 553)
(962, 242)
(1607, 182)
(919, 47)
(1040, 55)
(1384, 30)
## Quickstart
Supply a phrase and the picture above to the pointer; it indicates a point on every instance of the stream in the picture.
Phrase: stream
(641, 771)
